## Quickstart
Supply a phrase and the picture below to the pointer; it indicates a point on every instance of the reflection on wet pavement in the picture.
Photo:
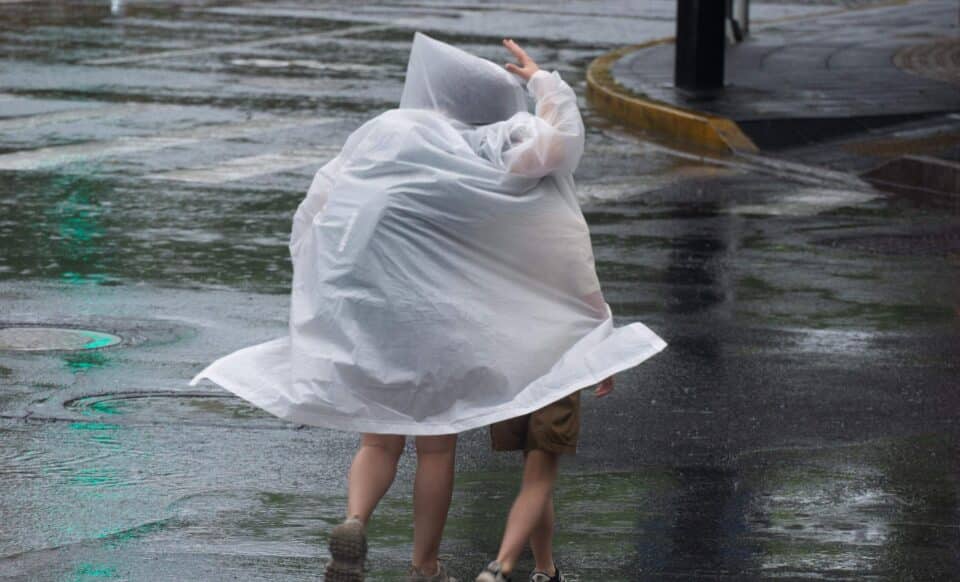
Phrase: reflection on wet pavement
(802, 423)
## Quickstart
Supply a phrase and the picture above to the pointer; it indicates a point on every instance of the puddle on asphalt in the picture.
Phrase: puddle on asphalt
(884, 508)
(805, 202)
(943, 242)
(194, 408)
(600, 516)
(856, 510)
(831, 341)
(650, 188)
(811, 309)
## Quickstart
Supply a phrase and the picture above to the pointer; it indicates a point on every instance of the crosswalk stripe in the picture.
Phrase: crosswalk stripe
(241, 45)
(27, 121)
(248, 167)
(61, 155)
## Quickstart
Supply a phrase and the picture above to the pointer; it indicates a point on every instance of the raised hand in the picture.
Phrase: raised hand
(527, 66)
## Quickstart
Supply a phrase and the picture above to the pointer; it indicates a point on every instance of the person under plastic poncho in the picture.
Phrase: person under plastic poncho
(443, 280)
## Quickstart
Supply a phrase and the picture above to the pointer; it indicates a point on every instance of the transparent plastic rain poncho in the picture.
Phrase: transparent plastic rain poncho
(443, 273)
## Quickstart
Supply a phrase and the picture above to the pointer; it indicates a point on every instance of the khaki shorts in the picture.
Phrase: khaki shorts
(555, 428)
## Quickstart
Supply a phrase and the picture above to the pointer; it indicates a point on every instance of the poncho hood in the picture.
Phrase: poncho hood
(466, 87)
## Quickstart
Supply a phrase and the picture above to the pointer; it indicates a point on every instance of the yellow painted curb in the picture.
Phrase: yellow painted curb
(695, 128)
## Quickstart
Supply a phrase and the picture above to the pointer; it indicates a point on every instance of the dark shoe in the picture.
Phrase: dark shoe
(539, 576)
(492, 573)
(348, 551)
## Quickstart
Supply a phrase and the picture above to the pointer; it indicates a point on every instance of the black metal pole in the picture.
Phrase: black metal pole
(701, 40)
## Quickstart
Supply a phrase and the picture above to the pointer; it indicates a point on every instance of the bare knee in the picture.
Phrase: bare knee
(390, 445)
(437, 445)
(540, 467)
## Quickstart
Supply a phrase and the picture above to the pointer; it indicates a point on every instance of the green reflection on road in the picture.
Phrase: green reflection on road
(83, 361)
(110, 407)
(93, 426)
(86, 571)
(99, 340)
(95, 477)
(77, 225)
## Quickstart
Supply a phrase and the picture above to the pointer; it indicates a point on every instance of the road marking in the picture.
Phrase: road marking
(242, 45)
(61, 155)
(12, 124)
(249, 167)
(306, 64)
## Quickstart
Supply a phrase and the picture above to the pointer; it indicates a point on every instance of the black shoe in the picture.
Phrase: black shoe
(539, 576)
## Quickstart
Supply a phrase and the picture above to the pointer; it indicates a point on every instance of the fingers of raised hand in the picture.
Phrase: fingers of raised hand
(515, 49)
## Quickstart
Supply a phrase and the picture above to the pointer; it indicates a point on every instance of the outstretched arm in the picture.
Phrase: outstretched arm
(552, 140)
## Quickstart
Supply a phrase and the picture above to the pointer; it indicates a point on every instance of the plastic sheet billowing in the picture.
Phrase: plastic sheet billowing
(443, 272)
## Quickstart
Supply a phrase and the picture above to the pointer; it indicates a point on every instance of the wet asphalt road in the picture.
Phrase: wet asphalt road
(802, 422)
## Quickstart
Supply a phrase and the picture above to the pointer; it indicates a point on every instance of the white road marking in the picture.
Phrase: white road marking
(28, 121)
(60, 155)
(306, 64)
(241, 45)
(248, 167)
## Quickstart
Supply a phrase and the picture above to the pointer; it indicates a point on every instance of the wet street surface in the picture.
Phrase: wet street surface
(803, 421)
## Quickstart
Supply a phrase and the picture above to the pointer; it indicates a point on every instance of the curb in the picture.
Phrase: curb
(692, 127)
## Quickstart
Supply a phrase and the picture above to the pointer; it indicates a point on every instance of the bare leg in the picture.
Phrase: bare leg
(539, 475)
(374, 467)
(432, 491)
(541, 540)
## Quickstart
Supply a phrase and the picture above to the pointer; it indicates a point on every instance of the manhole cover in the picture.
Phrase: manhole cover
(203, 408)
(31, 339)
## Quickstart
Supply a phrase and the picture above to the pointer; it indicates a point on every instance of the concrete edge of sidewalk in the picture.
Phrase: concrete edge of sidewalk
(689, 126)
